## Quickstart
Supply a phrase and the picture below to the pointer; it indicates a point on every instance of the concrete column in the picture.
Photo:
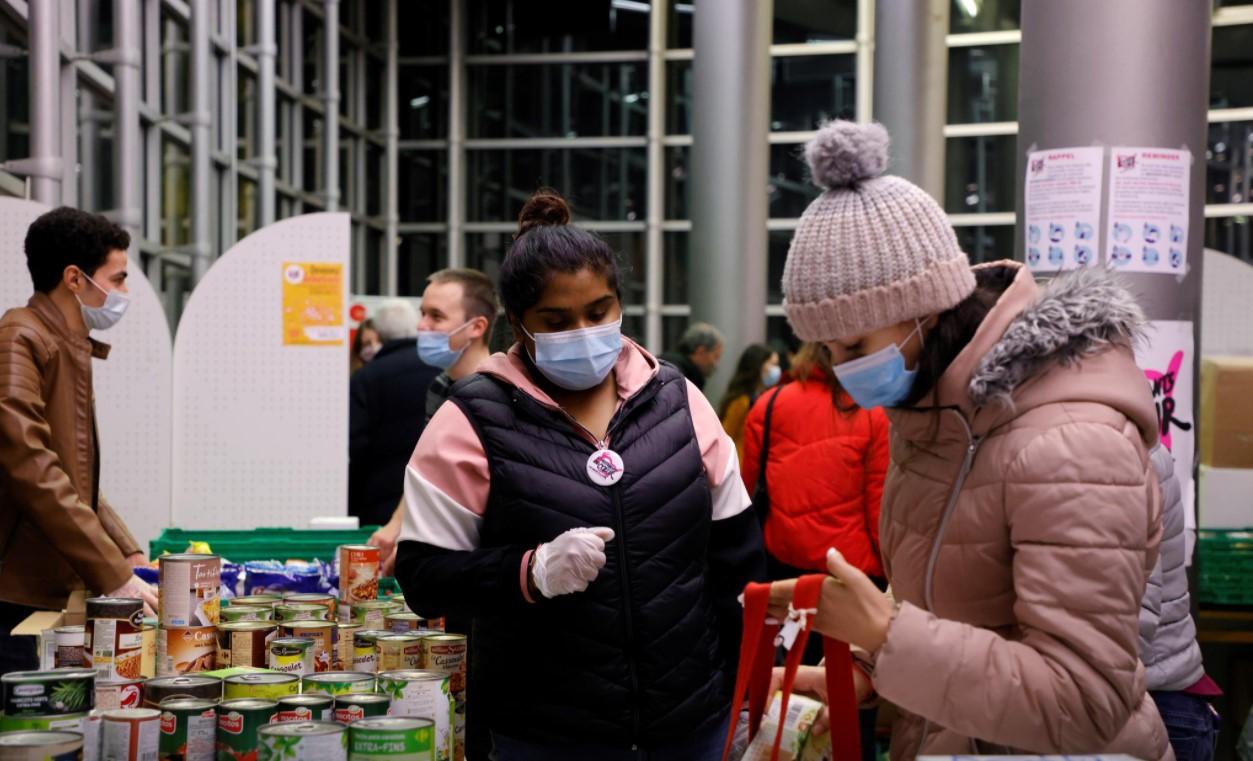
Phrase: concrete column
(730, 164)
(200, 122)
(69, 109)
(128, 91)
(391, 134)
(330, 83)
(654, 285)
(44, 167)
(267, 158)
(911, 87)
(1147, 85)
(456, 135)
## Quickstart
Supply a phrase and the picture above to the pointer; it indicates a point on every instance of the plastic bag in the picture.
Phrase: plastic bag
(263, 576)
(799, 743)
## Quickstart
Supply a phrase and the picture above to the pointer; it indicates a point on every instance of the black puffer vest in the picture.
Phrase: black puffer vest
(634, 660)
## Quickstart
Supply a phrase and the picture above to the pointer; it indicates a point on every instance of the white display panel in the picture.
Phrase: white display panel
(260, 428)
(133, 387)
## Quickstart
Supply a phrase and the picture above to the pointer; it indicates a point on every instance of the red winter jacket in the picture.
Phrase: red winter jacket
(825, 476)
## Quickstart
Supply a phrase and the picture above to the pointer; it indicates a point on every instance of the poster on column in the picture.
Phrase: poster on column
(1168, 359)
(313, 304)
(1148, 210)
(1062, 207)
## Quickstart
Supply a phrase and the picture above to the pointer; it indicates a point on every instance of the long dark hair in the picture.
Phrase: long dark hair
(747, 375)
(955, 328)
(811, 357)
(546, 243)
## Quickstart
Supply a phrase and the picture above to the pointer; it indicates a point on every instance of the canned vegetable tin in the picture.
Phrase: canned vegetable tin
(403, 622)
(392, 738)
(337, 683)
(114, 696)
(69, 652)
(328, 601)
(372, 614)
(446, 652)
(41, 693)
(163, 688)
(41, 746)
(287, 611)
(262, 684)
(188, 730)
(132, 734)
(364, 657)
(58, 722)
(188, 589)
(113, 637)
(292, 655)
(305, 741)
(238, 723)
(344, 649)
(365, 705)
(426, 694)
(305, 708)
(245, 643)
(323, 634)
(398, 651)
(236, 613)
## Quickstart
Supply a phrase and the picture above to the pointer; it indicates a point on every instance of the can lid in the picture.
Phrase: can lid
(370, 634)
(36, 737)
(246, 626)
(70, 629)
(182, 681)
(48, 676)
(187, 556)
(413, 675)
(290, 728)
(304, 700)
(187, 704)
(246, 704)
(309, 596)
(131, 714)
(400, 638)
(392, 722)
(358, 547)
(262, 677)
(339, 676)
(359, 698)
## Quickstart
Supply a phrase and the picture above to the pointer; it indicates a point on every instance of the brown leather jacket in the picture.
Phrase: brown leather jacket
(57, 533)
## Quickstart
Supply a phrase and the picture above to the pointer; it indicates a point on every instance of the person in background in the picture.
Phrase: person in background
(758, 370)
(582, 503)
(58, 533)
(458, 309)
(365, 345)
(789, 348)
(698, 353)
(386, 414)
(1021, 513)
(1174, 672)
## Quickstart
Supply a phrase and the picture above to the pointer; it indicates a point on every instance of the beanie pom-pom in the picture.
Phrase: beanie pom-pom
(844, 153)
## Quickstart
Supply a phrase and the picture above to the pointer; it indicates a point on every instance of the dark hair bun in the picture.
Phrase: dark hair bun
(545, 208)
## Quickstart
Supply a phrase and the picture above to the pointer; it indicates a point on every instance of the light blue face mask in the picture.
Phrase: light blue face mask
(577, 360)
(773, 375)
(433, 348)
(879, 379)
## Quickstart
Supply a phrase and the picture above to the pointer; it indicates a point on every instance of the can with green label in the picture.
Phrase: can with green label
(337, 683)
(188, 730)
(305, 741)
(238, 724)
(236, 613)
(305, 708)
(300, 611)
(392, 738)
(60, 722)
(262, 684)
(40, 693)
(364, 657)
(364, 705)
(427, 694)
(292, 655)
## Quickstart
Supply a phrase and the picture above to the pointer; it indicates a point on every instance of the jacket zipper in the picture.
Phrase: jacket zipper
(972, 447)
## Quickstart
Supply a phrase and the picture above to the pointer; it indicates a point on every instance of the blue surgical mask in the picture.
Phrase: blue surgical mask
(433, 348)
(773, 375)
(577, 360)
(107, 314)
(879, 379)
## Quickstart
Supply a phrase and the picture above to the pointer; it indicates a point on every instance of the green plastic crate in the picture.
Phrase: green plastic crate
(1225, 566)
(262, 543)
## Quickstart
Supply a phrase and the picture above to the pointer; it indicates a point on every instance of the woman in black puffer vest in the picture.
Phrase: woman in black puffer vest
(580, 500)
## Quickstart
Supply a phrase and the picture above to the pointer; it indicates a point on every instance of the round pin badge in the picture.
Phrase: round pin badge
(605, 467)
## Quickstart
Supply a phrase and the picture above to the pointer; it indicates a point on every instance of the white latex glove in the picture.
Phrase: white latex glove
(570, 562)
(137, 588)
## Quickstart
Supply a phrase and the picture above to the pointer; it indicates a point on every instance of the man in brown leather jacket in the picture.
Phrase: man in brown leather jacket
(57, 532)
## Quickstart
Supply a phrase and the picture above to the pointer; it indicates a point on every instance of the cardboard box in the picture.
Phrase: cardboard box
(1226, 419)
(42, 624)
(1225, 498)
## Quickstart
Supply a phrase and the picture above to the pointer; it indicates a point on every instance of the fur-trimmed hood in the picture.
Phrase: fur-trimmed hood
(1076, 315)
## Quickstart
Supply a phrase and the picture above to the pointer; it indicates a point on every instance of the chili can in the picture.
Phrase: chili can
(362, 705)
(261, 684)
(36, 745)
(323, 634)
(113, 637)
(195, 687)
(132, 734)
(291, 655)
(188, 730)
(446, 652)
(239, 722)
(392, 738)
(236, 613)
(398, 651)
(358, 573)
(188, 589)
(305, 741)
(245, 643)
(305, 708)
(186, 650)
(114, 696)
(427, 694)
(337, 683)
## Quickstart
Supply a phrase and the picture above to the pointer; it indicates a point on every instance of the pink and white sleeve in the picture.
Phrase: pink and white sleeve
(722, 463)
(446, 484)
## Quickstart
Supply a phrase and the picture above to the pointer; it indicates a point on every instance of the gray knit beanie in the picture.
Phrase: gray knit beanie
(871, 251)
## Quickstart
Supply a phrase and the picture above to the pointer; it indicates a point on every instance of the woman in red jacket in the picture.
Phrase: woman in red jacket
(824, 475)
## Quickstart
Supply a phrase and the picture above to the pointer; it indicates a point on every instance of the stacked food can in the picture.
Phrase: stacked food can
(187, 637)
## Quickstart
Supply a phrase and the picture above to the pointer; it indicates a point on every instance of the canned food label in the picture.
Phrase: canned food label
(304, 748)
(364, 660)
(358, 574)
(116, 649)
(189, 592)
(131, 740)
(186, 651)
(300, 713)
(112, 697)
(427, 699)
(191, 739)
(417, 744)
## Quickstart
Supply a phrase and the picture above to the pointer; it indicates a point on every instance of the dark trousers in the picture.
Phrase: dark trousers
(16, 653)
(1191, 723)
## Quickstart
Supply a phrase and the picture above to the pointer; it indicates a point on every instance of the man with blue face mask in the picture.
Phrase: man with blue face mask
(57, 532)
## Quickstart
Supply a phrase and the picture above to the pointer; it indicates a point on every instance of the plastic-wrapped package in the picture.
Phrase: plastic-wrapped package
(261, 576)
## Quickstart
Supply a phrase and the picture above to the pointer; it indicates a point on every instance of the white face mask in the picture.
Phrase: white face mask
(105, 316)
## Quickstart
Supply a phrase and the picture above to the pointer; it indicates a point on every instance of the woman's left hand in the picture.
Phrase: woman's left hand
(850, 608)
